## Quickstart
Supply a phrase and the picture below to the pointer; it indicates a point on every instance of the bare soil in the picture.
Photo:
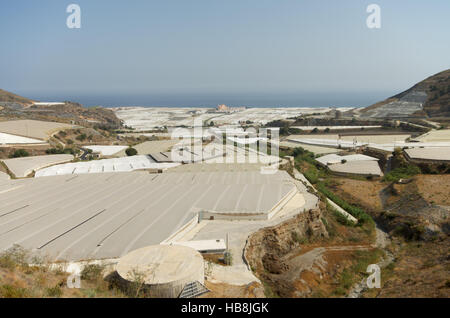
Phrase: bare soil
(366, 193)
(5, 152)
(312, 255)
(221, 290)
(416, 215)
(435, 188)
(421, 269)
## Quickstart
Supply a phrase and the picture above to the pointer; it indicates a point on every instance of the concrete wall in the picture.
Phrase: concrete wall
(167, 290)
(209, 215)
(183, 230)
(347, 174)
(174, 289)
(426, 161)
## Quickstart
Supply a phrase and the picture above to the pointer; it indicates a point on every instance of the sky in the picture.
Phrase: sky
(202, 52)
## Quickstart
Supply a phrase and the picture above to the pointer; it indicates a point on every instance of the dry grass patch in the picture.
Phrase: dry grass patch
(434, 188)
(366, 193)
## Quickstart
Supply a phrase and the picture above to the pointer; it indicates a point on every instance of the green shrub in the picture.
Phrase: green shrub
(301, 154)
(9, 291)
(54, 291)
(13, 257)
(342, 219)
(81, 137)
(312, 175)
(401, 173)
(92, 272)
(59, 151)
(20, 153)
(131, 152)
(357, 212)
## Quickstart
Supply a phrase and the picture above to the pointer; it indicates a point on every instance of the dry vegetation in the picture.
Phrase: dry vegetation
(316, 254)
(421, 269)
(84, 136)
(24, 276)
(435, 188)
(366, 193)
(416, 215)
(222, 290)
(6, 152)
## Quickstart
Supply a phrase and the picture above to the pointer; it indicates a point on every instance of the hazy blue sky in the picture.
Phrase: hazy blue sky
(242, 51)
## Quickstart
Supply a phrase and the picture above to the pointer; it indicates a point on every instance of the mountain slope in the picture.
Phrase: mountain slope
(428, 98)
(13, 106)
(7, 97)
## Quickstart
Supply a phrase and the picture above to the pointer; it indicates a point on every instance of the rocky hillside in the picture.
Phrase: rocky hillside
(311, 255)
(428, 98)
(79, 114)
(16, 107)
(7, 98)
(415, 214)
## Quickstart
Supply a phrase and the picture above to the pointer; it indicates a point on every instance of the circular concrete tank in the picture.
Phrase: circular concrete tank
(166, 269)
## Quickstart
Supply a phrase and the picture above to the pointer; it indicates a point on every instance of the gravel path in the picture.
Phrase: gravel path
(382, 240)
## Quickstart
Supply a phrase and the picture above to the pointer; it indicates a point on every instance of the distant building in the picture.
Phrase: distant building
(227, 109)
(48, 103)
(222, 108)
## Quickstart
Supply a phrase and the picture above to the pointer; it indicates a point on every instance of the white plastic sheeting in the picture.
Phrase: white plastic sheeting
(108, 215)
(13, 139)
(106, 150)
(345, 144)
(334, 159)
(22, 167)
(105, 165)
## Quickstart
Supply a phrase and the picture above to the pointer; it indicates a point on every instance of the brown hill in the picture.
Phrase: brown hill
(428, 98)
(13, 106)
(7, 97)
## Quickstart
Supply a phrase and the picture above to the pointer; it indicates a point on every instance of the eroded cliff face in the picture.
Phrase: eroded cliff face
(266, 247)
(311, 255)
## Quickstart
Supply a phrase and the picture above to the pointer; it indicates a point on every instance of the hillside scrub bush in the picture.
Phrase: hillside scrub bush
(312, 174)
(92, 272)
(81, 137)
(301, 154)
(357, 212)
(401, 173)
(338, 216)
(20, 153)
(60, 151)
(131, 152)
(13, 257)
(55, 292)
(10, 291)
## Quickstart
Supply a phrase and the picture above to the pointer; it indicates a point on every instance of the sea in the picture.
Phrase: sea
(340, 99)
